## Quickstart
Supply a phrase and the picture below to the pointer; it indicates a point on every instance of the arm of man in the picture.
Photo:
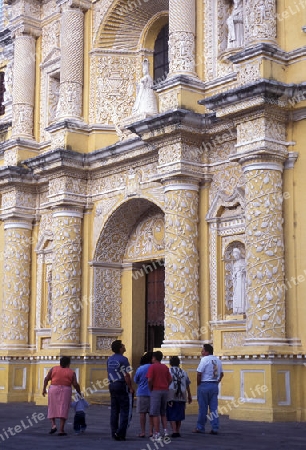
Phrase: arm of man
(221, 376)
(128, 381)
(199, 376)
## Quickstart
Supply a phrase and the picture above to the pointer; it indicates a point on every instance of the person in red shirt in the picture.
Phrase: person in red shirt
(159, 379)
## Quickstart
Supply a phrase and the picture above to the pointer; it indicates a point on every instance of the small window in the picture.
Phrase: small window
(2, 89)
(161, 62)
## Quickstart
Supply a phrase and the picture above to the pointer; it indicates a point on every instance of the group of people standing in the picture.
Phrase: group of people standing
(162, 394)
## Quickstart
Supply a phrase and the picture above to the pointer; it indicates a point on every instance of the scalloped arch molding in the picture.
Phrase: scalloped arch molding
(125, 22)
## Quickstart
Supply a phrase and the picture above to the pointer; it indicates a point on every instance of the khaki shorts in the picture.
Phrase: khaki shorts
(158, 403)
(143, 404)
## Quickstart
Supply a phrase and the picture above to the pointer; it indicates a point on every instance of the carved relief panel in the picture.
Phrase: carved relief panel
(112, 92)
(147, 240)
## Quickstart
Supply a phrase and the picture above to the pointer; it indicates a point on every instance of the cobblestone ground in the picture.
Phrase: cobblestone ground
(25, 426)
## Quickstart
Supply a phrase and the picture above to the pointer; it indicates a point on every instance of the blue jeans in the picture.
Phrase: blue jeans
(208, 398)
(120, 405)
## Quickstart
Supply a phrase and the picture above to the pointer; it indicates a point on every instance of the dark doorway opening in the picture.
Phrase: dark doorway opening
(155, 305)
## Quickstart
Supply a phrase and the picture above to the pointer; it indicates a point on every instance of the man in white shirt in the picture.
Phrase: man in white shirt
(209, 375)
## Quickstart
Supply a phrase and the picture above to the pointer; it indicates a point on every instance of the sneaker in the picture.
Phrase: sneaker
(157, 437)
(166, 434)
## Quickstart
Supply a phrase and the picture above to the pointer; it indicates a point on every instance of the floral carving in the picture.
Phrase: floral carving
(265, 255)
(107, 297)
(182, 263)
(16, 286)
(147, 240)
(66, 277)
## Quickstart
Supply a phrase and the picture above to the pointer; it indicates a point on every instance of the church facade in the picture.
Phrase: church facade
(151, 189)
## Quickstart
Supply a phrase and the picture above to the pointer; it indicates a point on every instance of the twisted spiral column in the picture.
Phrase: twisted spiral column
(71, 70)
(23, 86)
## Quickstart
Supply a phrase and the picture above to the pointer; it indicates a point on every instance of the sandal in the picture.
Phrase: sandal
(53, 430)
(62, 434)
(141, 435)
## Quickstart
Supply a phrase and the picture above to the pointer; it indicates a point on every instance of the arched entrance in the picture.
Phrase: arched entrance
(128, 274)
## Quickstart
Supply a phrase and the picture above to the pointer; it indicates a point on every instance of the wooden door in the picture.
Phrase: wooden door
(155, 307)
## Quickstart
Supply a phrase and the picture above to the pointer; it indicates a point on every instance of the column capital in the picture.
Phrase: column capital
(84, 5)
(11, 223)
(62, 211)
(26, 28)
(180, 184)
(261, 160)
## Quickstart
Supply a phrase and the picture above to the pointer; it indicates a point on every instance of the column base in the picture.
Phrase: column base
(9, 347)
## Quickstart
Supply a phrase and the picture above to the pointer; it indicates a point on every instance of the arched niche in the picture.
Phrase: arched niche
(126, 22)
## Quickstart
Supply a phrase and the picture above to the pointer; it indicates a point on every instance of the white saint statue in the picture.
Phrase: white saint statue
(234, 23)
(145, 102)
(239, 278)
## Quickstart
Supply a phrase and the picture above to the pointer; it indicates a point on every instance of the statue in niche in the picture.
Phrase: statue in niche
(145, 102)
(235, 38)
(239, 281)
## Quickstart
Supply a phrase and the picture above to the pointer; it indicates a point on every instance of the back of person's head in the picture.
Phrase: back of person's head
(65, 361)
(116, 346)
(175, 361)
(146, 358)
(158, 355)
(208, 348)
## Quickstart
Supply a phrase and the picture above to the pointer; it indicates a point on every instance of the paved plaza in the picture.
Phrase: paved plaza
(25, 426)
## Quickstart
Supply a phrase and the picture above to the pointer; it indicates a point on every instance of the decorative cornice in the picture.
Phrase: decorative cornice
(15, 174)
(173, 120)
(180, 80)
(268, 90)
(291, 160)
(299, 114)
(267, 51)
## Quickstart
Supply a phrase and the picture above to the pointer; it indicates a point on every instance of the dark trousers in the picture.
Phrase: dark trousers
(120, 405)
(79, 421)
